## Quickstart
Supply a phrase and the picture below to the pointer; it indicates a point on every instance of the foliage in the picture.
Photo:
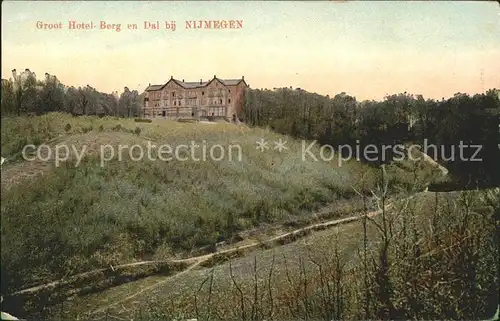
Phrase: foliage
(24, 94)
(142, 120)
(402, 118)
(92, 216)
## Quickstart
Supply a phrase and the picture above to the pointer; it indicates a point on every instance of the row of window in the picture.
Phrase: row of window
(193, 93)
(191, 102)
(157, 95)
(212, 111)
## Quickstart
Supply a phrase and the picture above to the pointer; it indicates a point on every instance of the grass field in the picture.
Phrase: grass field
(290, 281)
(72, 219)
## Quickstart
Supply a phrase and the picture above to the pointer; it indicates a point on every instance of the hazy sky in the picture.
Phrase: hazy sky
(366, 49)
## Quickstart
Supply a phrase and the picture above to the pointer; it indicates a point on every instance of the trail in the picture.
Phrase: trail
(431, 161)
(146, 289)
(196, 260)
(48, 159)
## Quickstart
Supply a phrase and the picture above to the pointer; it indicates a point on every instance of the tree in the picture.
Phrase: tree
(51, 95)
(129, 102)
(25, 91)
(7, 97)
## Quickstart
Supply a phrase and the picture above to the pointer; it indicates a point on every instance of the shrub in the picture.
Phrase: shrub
(137, 131)
(142, 120)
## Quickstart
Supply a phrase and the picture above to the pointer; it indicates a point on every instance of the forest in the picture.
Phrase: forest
(397, 119)
(25, 94)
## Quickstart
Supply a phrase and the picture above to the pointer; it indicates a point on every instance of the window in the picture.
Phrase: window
(175, 103)
(173, 94)
(229, 90)
(179, 102)
(202, 93)
(221, 101)
(229, 101)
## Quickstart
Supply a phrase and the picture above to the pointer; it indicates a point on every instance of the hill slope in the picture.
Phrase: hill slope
(116, 211)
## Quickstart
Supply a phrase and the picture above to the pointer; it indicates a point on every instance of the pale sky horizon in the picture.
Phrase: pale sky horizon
(366, 49)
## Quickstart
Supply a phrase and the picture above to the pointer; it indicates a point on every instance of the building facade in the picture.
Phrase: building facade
(216, 98)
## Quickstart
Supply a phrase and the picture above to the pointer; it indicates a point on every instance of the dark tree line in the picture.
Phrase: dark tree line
(25, 94)
(401, 118)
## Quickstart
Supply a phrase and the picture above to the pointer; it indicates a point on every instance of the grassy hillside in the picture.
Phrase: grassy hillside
(72, 219)
(440, 253)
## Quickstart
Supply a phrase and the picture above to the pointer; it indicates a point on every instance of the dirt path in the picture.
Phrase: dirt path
(197, 260)
(431, 161)
(103, 309)
(88, 144)
(192, 262)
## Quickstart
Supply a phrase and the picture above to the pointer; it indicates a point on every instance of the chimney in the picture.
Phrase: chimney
(215, 76)
(171, 77)
(201, 81)
(242, 77)
(182, 80)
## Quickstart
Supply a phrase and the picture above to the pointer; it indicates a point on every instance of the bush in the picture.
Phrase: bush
(142, 120)
(87, 129)
(137, 131)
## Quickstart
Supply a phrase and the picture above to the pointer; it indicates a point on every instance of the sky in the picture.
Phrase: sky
(366, 49)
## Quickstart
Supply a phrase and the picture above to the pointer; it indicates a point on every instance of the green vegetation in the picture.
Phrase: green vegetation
(428, 256)
(402, 118)
(25, 94)
(92, 216)
(432, 256)
(142, 120)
